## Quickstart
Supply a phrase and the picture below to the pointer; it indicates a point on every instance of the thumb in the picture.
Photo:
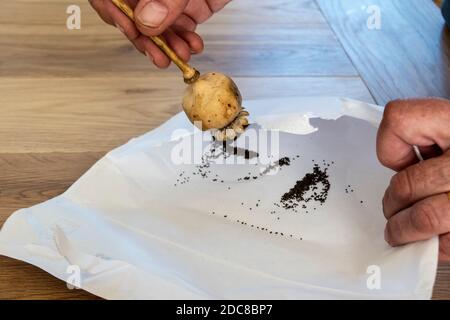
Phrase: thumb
(153, 17)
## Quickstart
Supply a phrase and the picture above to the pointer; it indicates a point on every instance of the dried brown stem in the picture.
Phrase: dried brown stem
(189, 74)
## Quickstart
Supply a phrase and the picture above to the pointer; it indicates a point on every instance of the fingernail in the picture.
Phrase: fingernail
(153, 14)
(149, 57)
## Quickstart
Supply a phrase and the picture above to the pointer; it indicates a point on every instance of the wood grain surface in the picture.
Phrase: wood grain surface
(408, 56)
(67, 97)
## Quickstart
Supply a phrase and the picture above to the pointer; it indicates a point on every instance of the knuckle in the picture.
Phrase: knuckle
(392, 110)
(382, 154)
(392, 117)
(402, 186)
(425, 217)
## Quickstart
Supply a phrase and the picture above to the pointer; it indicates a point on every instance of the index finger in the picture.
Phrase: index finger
(421, 122)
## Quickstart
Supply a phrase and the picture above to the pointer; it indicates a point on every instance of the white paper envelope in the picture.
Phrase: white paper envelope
(141, 224)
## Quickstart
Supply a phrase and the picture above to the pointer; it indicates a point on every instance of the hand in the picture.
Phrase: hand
(416, 202)
(175, 20)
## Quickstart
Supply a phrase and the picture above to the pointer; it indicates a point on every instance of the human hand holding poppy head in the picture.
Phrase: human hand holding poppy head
(175, 20)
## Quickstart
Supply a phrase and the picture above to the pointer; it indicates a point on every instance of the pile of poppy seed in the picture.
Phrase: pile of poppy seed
(311, 190)
(314, 186)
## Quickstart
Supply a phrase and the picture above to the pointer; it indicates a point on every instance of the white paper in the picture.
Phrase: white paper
(133, 234)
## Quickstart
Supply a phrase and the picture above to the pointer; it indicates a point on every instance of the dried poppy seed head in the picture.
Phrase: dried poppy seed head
(213, 101)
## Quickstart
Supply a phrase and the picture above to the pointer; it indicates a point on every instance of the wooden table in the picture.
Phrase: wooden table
(67, 97)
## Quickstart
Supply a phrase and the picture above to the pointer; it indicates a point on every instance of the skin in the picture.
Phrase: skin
(178, 28)
(416, 204)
